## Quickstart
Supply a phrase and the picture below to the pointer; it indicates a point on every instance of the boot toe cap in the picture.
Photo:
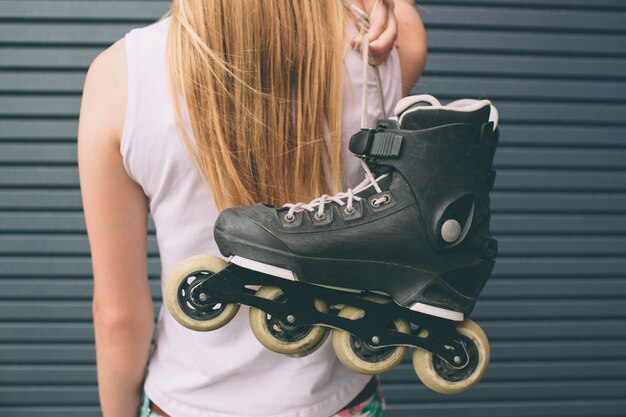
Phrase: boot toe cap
(239, 229)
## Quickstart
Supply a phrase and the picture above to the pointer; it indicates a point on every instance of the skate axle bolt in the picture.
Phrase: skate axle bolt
(450, 230)
(375, 340)
(202, 296)
(457, 359)
(291, 318)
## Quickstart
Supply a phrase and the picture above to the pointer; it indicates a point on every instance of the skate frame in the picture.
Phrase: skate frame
(235, 284)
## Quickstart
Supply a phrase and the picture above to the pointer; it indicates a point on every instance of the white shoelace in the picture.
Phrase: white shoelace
(320, 203)
(338, 198)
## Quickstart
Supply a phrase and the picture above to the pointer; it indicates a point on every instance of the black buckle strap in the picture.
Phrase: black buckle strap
(371, 142)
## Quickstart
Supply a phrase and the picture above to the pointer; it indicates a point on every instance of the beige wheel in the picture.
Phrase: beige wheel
(439, 376)
(177, 289)
(281, 337)
(361, 356)
(310, 349)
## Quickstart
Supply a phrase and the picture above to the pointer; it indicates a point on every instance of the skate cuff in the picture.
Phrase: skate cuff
(369, 142)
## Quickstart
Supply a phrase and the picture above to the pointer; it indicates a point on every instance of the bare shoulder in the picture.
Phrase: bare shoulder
(411, 43)
(114, 53)
(105, 92)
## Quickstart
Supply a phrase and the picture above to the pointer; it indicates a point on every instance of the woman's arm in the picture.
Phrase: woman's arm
(411, 43)
(116, 215)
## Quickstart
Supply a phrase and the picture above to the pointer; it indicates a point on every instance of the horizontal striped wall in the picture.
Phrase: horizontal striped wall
(555, 309)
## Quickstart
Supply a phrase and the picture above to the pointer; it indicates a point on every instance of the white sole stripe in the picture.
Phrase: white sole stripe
(289, 275)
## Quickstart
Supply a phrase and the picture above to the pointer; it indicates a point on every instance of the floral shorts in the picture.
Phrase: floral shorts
(371, 407)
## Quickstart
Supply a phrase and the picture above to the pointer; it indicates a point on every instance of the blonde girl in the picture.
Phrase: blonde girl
(224, 102)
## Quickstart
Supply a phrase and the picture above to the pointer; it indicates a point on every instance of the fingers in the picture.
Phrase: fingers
(383, 30)
(379, 16)
(381, 46)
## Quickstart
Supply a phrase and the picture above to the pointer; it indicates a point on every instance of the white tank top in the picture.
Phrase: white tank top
(225, 372)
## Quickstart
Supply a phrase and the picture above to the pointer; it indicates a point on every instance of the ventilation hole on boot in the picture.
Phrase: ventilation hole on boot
(455, 221)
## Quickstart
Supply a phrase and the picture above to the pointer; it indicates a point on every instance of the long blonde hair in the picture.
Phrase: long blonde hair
(262, 82)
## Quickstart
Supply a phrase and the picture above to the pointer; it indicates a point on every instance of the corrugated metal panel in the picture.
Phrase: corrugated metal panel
(555, 309)
(556, 304)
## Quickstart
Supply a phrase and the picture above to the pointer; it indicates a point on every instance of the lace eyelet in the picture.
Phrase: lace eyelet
(378, 202)
(349, 212)
(289, 219)
(319, 217)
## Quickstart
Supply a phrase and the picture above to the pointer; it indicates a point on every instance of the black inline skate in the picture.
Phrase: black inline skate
(396, 262)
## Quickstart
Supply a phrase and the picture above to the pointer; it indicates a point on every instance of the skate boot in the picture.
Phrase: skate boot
(397, 261)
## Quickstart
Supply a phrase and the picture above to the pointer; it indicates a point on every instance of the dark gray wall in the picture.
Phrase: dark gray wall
(555, 309)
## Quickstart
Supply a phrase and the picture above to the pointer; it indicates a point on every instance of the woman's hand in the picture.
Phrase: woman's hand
(395, 23)
(383, 30)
